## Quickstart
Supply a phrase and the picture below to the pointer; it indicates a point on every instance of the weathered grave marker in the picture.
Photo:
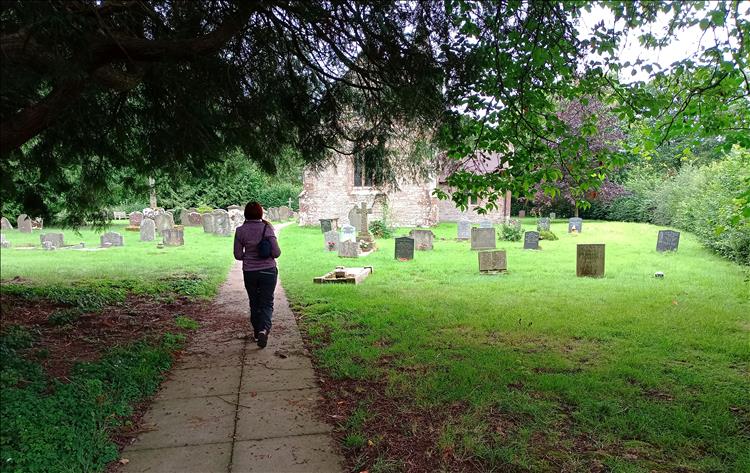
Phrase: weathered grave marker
(552, 216)
(331, 239)
(464, 230)
(342, 275)
(576, 224)
(111, 239)
(135, 218)
(236, 219)
(348, 233)
(148, 228)
(209, 225)
(194, 219)
(492, 261)
(404, 248)
(55, 239)
(329, 224)
(23, 223)
(422, 239)
(5, 224)
(348, 249)
(222, 225)
(521, 213)
(590, 260)
(531, 241)
(542, 224)
(483, 238)
(485, 224)
(174, 236)
(668, 240)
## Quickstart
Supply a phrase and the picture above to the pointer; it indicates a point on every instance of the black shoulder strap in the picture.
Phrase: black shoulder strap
(265, 225)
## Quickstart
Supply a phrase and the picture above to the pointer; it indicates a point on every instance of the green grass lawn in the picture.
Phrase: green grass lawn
(197, 268)
(536, 369)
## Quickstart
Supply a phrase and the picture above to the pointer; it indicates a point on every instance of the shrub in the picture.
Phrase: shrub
(64, 316)
(511, 231)
(204, 209)
(379, 229)
(547, 235)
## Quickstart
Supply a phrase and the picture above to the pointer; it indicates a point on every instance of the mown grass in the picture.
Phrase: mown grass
(555, 372)
(195, 269)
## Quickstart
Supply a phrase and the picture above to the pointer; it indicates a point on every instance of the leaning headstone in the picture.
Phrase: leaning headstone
(136, 218)
(552, 216)
(348, 233)
(174, 236)
(23, 223)
(590, 260)
(236, 218)
(163, 220)
(464, 230)
(422, 239)
(483, 239)
(485, 224)
(56, 239)
(331, 239)
(148, 228)
(492, 261)
(404, 248)
(208, 223)
(531, 241)
(5, 224)
(521, 213)
(194, 219)
(329, 224)
(222, 224)
(184, 216)
(542, 224)
(576, 224)
(348, 249)
(668, 240)
(110, 239)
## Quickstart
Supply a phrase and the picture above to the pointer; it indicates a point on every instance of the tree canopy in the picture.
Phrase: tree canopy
(91, 88)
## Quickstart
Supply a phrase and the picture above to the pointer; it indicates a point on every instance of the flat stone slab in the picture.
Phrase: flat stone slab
(211, 458)
(200, 382)
(278, 358)
(301, 454)
(261, 379)
(181, 422)
(279, 414)
(226, 354)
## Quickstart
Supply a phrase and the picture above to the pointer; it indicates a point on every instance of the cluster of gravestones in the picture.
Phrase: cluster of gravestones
(279, 214)
(351, 241)
(151, 222)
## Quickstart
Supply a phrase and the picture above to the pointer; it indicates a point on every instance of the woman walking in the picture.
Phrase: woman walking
(256, 246)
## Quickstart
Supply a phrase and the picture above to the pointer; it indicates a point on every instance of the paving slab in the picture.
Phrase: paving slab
(279, 414)
(218, 354)
(259, 379)
(210, 458)
(300, 454)
(200, 382)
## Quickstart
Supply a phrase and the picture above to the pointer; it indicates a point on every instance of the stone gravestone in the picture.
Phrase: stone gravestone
(272, 214)
(575, 223)
(348, 233)
(48, 246)
(174, 236)
(184, 216)
(422, 239)
(55, 239)
(3, 242)
(236, 218)
(363, 236)
(23, 223)
(590, 260)
(136, 218)
(354, 219)
(285, 213)
(111, 239)
(552, 216)
(668, 240)
(163, 220)
(464, 230)
(234, 207)
(348, 249)
(483, 239)
(222, 224)
(329, 224)
(521, 213)
(331, 240)
(404, 248)
(531, 241)
(485, 224)
(542, 224)
(5, 224)
(207, 220)
(194, 219)
(492, 261)
(148, 228)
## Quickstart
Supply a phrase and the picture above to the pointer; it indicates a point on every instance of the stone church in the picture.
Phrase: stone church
(335, 190)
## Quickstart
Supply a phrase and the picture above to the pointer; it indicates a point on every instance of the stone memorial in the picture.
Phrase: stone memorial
(464, 230)
(194, 219)
(422, 239)
(110, 239)
(222, 224)
(521, 213)
(542, 224)
(3, 242)
(485, 224)
(23, 223)
(236, 218)
(56, 239)
(48, 246)
(285, 213)
(136, 218)
(531, 241)
(272, 214)
(163, 220)
(575, 224)
(348, 249)
(329, 224)
(590, 260)
(668, 240)
(492, 261)
(5, 224)
(404, 248)
(174, 236)
(552, 216)
(184, 216)
(234, 207)
(363, 235)
(342, 275)
(483, 239)
(348, 233)
(148, 229)
(148, 213)
(331, 239)
(207, 221)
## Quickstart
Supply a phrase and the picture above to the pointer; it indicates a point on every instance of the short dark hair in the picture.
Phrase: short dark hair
(253, 211)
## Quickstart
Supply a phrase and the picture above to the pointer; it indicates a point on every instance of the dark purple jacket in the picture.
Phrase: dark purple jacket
(246, 240)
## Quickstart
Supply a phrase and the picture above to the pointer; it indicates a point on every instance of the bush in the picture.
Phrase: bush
(511, 231)
(547, 235)
(64, 316)
(379, 229)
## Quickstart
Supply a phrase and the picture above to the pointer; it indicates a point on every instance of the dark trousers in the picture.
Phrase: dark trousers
(260, 286)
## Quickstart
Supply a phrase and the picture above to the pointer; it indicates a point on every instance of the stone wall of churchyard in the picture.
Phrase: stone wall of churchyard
(448, 212)
(329, 192)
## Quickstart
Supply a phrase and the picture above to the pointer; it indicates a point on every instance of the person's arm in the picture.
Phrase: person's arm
(275, 250)
(239, 248)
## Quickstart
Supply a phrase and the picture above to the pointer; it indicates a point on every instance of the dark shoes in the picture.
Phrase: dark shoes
(262, 339)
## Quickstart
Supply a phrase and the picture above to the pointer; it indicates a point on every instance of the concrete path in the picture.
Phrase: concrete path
(229, 406)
